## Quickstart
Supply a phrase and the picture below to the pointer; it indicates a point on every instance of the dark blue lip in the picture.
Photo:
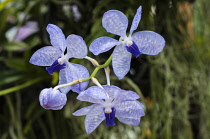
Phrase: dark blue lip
(133, 49)
(55, 67)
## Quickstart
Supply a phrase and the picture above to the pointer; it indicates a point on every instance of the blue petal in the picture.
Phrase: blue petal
(96, 92)
(57, 37)
(45, 56)
(83, 111)
(115, 22)
(111, 90)
(93, 118)
(129, 121)
(65, 78)
(136, 20)
(129, 112)
(110, 118)
(102, 44)
(133, 49)
(79, 72)
(83, 96)
(76, 46)
(93, 94)
(149, 42)
(71, 73)
(123, 95)
(121, 61)
(55, 67)
(52, 99)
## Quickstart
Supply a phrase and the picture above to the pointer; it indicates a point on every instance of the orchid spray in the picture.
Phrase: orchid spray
(109, 101)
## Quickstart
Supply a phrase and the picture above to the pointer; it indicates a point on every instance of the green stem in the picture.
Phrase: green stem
(86, 79)
(101, 66)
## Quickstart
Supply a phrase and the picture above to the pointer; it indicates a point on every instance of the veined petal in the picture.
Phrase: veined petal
(96, 92)
(125, 95)
(149, 42)
(136, 20)
(115, 22)
(129, 121)
(83, 96)
(57, 37)
(129, 109)
(45, 56)
(78, 72)
(93, 118)
(65, 78)
(52, 99)
(102, 44)
(111, 90)
(93, 94)
(73, 72)
(76, 46)
(83, 111)
(121, 61)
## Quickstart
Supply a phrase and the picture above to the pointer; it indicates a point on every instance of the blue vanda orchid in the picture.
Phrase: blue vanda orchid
(110, 102)
(142, 42)
(55, 59)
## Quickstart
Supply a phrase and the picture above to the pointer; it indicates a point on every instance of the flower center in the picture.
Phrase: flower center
(133, 48)
(110, 116)
(57, 65)
(130, 45)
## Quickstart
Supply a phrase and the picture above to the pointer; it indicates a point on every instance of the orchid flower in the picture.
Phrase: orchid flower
(55, 58)
(110, 102)
(142, 42)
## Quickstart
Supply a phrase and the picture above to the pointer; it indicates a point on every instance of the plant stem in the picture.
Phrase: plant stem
(86, 79)
(101, 66)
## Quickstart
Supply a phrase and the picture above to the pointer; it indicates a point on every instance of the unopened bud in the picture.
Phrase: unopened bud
(93, 61)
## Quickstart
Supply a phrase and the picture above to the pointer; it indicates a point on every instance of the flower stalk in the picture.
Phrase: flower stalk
(106, 64)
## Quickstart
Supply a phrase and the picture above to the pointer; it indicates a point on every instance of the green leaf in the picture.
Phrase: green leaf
(10, 79)
(4, 4)
(18, 87)
(15, 46)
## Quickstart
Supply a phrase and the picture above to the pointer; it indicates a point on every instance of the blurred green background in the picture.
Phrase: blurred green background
(174, 86)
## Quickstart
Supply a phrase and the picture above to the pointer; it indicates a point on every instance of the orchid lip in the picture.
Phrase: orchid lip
(110, 117)
(55, 67)
(133, 49)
